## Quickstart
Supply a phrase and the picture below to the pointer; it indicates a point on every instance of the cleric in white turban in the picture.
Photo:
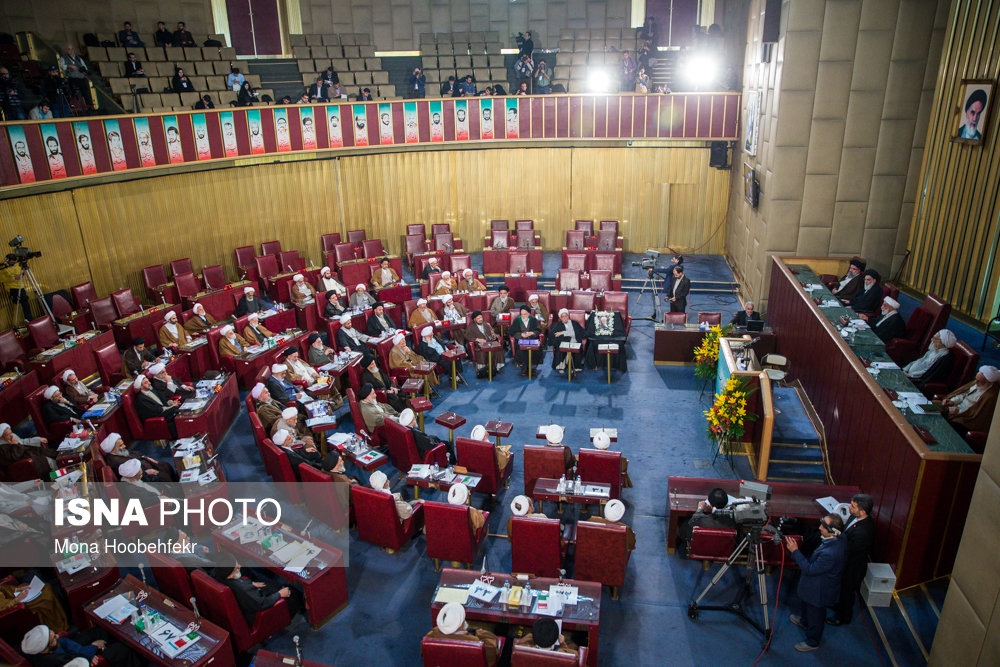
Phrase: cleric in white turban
(935, 363)
(451, 625)
(971, 406)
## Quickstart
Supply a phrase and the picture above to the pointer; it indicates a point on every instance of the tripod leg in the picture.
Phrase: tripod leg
(722, 570)
(762, 583)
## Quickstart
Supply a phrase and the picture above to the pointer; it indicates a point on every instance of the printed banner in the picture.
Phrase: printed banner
(281, 130)
(410, 122)
(22, 157)
(115, 146)
(201, 145)
(84, 148)
(145, 141)
(385, 124)
(511, 121)
(333, 121)
(437, 126)
(174, 149)
(229, 134)
(308, 128)
(485, 118)
(256, 136)
(462, 120)
(360, 124)
(53, 151)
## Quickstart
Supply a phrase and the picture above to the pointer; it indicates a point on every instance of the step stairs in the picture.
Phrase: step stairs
(664, 69)
(797, 447)
(280, 75)
(906, 627)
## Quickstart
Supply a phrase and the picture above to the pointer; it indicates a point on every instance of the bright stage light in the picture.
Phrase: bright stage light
(598, 81)
(701, 70)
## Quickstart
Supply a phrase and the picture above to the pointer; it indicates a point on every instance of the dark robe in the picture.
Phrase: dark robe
(53, 412)
(867, 302)
(558, 356)
(346, 342)
(517, 327)
(165, 471)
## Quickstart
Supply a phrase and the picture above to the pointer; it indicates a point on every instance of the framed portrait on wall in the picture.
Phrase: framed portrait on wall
(752, 125)
(974, 110)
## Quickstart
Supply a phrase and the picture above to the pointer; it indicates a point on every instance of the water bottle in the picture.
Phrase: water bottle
(526, 597)
(562, 484)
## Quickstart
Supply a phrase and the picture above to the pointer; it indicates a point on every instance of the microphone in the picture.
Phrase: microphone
(298, 651)
(142, 573)
(305, 531)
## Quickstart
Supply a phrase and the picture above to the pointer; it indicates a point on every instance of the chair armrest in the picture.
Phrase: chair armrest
(935, 389)
(977, 440)
(438, 454)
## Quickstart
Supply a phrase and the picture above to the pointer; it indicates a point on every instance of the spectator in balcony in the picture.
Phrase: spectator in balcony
(468, 86)
(288, 100)
(499, 91)
(418, 83)
(129, 38)
(523, 69)
(329, 76)
(644, 54)
(366, 95)
(234, 80)
(204, 103)
(486, 92)
(627, 68)
(522, 89)
(53, 88)
(449, 87)
(335, 91)
(527, 46)
(304, 98)
(76, 71)
(182, 37)
(42, 112)
(162, 36)
(133, 67)
(247, 96)
(318, 90)
(642, 81)
(543, 80)
(11, 96)
(182, 84)
(662, 89)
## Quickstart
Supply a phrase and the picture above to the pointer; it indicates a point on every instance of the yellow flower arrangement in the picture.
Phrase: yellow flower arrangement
(728, 416)
(706, 355)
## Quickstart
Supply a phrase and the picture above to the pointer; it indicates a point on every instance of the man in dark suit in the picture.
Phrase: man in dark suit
(890, 324)
(432, 267)
(137, 358)
(278, 385)
(748, 313)
(859, 536)
(819, 581)
(57, 409)
(677, 297)
(150, 404)
(378, 322)
(317, 91)
(349, 338)
(133, 67)
(867, 300)
(423, 441)
(255, 596)
(449, 87)
(374, 376)
(852, 282)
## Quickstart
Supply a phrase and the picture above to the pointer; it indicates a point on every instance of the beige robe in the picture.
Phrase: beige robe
(196, 326)
(377, 278)
(302, 292)
(419, 317)
(472, 285)
(168, 339)
(251, 337)
(445, 287)
(227, 349)
(980, 414)
(402, 357)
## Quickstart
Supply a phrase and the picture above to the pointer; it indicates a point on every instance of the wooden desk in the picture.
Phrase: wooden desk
(585, 616)
(79, 357)
(397, 294)
(83, 586)
(221, 303)
(673, 344)
(216, 417)
(247, 366)
(142, 324)
(277, 285)
(496, 261)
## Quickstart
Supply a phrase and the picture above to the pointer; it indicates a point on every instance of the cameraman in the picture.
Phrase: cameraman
(667, 273)
(418, 83)
(709, 515)
(10, 280)
(819, 582)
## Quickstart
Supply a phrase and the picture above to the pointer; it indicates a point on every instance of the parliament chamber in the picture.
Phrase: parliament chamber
(640, 333)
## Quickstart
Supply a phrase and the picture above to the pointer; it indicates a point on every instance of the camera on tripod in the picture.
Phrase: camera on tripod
(649, 261)
(19, 254)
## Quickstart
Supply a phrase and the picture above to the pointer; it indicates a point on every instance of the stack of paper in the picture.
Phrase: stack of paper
(116, 610)
(70, 444)
(207, 477)
(194, 404)
(420, 470)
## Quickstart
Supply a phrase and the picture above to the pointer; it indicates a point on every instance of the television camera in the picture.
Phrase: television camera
(19, 254)
(649, 261)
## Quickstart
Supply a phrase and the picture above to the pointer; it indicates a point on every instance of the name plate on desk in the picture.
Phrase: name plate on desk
(572, 347)
(529, 343)
(607, 347)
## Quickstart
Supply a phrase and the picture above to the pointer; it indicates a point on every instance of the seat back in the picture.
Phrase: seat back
(103, 312)
(449, 532)
(135, 425)
(604, 261)
(576, 261)
(525, 238)
(289, 260)
(715, 544)
(376, 516)
(532, 656)
(543, 298)
(579, 316)
(600, 280)
(153, 277)
(34, 401)
(372, 248)
(452, 652)
(416, 228)
(940, 311)
(499, 238)
(125, 303)
(178, 266)
(675, 318)
(440, 228)
(330, 240)
(415, 243)
(43, 333)
(245, 256)
(596, 465)
(270, 248)
(517, 262)
(606, 239)
(710, 318)
(355, 236)
(609, 224)
(172, 579)
(616, 301)
(524, 224)
(535, 546)
(187, 285)
(459, 263)
(83, 294)
(359, 421)
(281, 470)
(343, 252)
(267, 266)
(214, 277)
(574, 239)
(585, 226)
(541, 461)
(567, 280)
(60, 305)
(218, 603)
(965, 363)
(478, 456)
(584, 301)
(402, 449)
(601, 553)
(109, 364)
(444, 242)
(11, 349)
(9, 656)
(322, 499)
(499, 224)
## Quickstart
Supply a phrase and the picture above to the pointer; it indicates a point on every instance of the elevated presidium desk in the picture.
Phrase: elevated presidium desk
(921, 489)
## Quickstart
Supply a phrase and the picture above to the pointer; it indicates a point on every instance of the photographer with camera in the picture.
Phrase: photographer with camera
(711, 514)
(819, 582)
(418, 83)
(16, 278)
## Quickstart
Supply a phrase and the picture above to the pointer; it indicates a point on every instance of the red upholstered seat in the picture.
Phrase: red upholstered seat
(574, 239)
(16, 619)
(153, 277)
(600, 280)
(606, 239)
(403, 450)
(601, 553)
(543, 298)
(441, 652)
(536, 545)
(926, 320)
(584, 301)
(267, 266)
(499, 224)
(329, 241)
(441, 228)
(604, 261)
(710, 318)
(270, 248)
(245, 263)
(12, 352)
(610, 225)
(675, 318)
(585, 226)
(102, 311)
(322, 499)
(711, 544)
(187, 285)
(154, 428)
(444, 242)
(343, 252)
(568, 280)
(500, 238)
(517, 262)
(773, 553)
(19, 471)
(109, 364)
(964, 365)
(355, 236)
(9, 656)
(416, 228)
(596, 465)
(218, 603)
(524, 224)
(460, 262)
(532, 656)
(289, 260)
(525, 238)
(541, 461)
(372, 248)
(449, 533)
(56, 431)
(281, 470)
(617, 302)
(359, 421)
(125, 303)
(576, 261)
(378, 522)
(42, 333)
(172, 579)
(83, 294)
(477, 456)
(415, 244)
(178, 266)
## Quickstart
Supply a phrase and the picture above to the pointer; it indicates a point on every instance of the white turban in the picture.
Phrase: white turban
(198, 309)
(533, 297)
(249, 290)
(450, 619)
(398, 338)
(67, 373)
(892, 303)
(479, 432)
(554, 434)
(428, 332)
(36, 639)
(446, 274)
(421, 302)
(563, 310)
(378, 480)
(991, 373)
(406, 417)
(521, 505)
(447, 298)
(157, 368)
(254, 317)
(288, 413)
(257, 390)
(50, 391)
(298, 278)
(109, 442)
(130, 468)
(137, 382)
(344, 319)
(948, 339)
(614, 510)
(325, 270)
(278, 368)
(3, 428)
(228, 329)
(78, 662)
(432, 260)
(279, 437)
(467, 272)
(458, 494)
(171, 315)
(361, 288)
(601, 440)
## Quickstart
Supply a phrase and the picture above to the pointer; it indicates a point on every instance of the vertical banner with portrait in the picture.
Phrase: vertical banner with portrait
(116, 149)
(752, 124)
(437, 124)
(144, 138)
(201, 145)
(485, 118)
(360, 112)
(410, 122)
(974, 111)
(173, 133)
(308, 123)
(512, 127)
(84, 148)
(229, 145)
(22, 156)
(282, 136)
(461, 120)
(335, 127)
(385, 124)
(256, 132)
(53, 151)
